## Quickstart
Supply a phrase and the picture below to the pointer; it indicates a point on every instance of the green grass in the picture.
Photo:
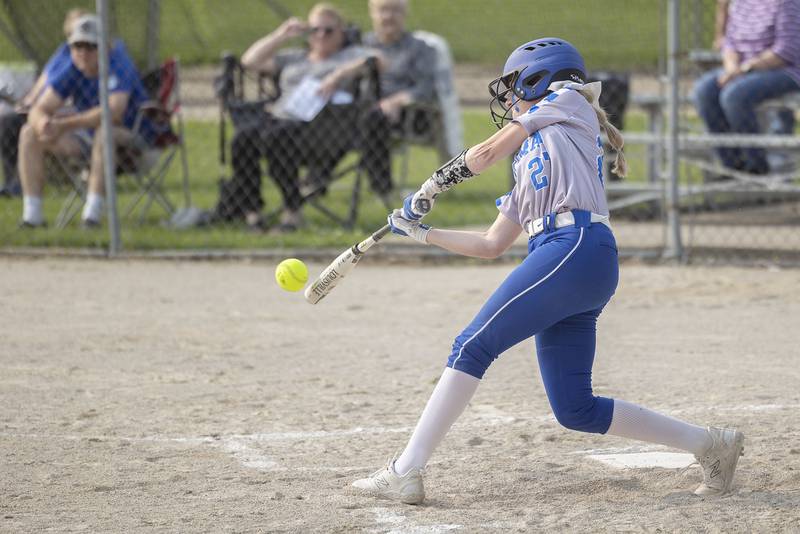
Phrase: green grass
(612, 34)
(470, 204)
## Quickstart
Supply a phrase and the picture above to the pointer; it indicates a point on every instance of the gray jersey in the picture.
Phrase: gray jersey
(294, 66)
(559, 167)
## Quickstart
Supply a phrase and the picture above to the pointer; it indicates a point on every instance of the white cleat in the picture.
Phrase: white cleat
(387, 484)
(719, 461)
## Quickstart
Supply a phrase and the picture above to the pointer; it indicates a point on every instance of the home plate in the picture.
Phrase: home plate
(643, 460)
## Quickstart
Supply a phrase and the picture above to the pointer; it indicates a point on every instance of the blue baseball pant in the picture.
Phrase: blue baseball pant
(555, 294)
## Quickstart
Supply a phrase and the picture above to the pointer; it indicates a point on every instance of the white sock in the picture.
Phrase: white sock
(448, 400)
(93, 209)
(633, 421)
(32, 210)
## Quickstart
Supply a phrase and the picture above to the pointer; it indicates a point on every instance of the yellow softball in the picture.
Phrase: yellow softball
(291, 274)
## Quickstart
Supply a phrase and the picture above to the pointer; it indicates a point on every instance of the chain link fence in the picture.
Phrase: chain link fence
(245, 127)
(739, 193)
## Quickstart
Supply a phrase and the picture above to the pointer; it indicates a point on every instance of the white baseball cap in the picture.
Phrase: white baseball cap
(85, 30)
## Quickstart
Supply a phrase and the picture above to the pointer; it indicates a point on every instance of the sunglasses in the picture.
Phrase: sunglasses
(324, 30)
(84, 46)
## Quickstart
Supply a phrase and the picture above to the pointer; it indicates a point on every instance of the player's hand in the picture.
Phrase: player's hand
(416, 206)
(728, 75)
(49, 129)
(292, 27)
(408, 228)
(328, 85)
(392, 107)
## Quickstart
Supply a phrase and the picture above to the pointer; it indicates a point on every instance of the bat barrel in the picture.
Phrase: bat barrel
(342, 265)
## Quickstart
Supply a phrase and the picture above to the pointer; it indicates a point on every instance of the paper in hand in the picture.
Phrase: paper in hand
(305, 102)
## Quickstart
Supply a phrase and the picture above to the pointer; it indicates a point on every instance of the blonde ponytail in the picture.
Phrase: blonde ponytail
(614, 136)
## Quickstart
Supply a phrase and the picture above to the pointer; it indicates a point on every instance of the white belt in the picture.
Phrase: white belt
(536, 227)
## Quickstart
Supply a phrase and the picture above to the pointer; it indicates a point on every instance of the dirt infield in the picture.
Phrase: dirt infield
(186, 397)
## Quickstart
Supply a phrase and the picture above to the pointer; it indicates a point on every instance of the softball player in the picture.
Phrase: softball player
(558, 291)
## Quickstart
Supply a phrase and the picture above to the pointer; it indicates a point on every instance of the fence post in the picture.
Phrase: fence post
(153, 29)
(109, 165)
(674, 248)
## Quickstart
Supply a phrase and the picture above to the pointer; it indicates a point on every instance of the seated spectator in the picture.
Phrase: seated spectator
(11, 123)
(406, 77)
(286, 140)
(761, 60)
(77, 134)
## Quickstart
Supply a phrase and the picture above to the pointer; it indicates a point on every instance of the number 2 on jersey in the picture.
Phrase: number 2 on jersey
(536, 165)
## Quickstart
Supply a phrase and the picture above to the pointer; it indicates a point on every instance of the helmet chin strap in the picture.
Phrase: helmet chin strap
(515, 103)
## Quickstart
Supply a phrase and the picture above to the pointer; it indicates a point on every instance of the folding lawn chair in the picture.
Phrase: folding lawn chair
(234, 104)
(148, 167)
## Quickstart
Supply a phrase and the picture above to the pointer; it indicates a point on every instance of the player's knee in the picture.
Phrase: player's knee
(28, 136)
(705, 90)
(734, 100)
(470, 356)
(244, 143)
(584, 416)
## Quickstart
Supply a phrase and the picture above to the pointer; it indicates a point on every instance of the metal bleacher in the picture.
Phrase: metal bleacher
(696, 149)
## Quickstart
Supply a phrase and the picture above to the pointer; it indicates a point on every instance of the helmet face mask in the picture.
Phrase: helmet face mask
(502, 91)
(528, 73)
(507, 90)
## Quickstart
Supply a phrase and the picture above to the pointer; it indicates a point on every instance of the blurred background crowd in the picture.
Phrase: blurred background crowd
(265, 122)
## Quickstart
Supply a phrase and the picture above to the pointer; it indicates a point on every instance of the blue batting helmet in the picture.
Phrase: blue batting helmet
(529, 71)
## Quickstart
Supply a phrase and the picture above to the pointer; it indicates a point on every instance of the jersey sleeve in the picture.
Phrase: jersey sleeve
(123, 74)
(507, 205)
(62, 80)
(60, 57)
(556, 107)
(120, 79)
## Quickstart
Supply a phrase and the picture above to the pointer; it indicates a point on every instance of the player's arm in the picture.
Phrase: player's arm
(498, 147)
(117, 102)
(487, 244)
(260, 56)
(41, 114)
(466, 165)
(30, 97)
(720, 23)
(349, 71)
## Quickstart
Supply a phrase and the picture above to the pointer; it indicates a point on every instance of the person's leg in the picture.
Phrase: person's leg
(706, 96)
(95, 195)
(446, 404)
(374, 130)
(552, 282)
(566, 355)
(32, 171)
(739, 100)
(241, 194)
(247, 149)
(10, 126)
(283, 149)
(780, 122)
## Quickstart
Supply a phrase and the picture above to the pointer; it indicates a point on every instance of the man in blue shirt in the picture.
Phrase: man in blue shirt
(11, 122)
(74, 134)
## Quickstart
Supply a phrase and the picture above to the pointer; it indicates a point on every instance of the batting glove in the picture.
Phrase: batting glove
(451, 173)
(416, 206)
(413, 229)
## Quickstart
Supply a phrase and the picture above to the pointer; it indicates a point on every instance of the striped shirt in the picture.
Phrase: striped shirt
(757, 25)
